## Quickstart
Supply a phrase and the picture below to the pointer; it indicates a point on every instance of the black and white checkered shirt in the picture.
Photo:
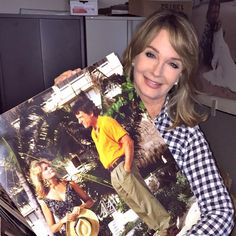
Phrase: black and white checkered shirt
(193, 156)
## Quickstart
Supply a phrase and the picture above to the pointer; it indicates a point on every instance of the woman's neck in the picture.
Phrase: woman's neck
(153, 107)
(54, 182)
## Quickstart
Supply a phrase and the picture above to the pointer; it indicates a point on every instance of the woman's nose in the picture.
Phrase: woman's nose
(157, 68)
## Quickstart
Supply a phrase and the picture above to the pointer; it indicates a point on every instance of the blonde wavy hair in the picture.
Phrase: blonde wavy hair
(183, 39)
(41, 188)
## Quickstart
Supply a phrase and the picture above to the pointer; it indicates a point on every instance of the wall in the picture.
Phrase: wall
(107, 3)
(15, 6)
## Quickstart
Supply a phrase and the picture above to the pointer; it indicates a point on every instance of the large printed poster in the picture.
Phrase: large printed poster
(45, 127)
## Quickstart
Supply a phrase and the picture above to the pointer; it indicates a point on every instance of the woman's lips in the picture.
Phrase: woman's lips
(151, 83)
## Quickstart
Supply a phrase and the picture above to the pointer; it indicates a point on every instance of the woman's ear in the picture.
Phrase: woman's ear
(177, 81)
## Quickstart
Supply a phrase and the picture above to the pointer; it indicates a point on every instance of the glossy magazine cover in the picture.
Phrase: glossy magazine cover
(45, 127)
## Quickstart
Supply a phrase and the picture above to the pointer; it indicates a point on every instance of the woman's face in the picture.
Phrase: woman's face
(47, 171)
(156, 69)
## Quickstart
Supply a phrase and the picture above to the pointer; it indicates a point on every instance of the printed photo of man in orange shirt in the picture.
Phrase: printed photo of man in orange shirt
(116, 153)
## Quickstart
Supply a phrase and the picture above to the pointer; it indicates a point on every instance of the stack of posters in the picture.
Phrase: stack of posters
(45, 127)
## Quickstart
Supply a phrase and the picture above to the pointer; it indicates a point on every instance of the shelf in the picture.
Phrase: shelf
(219, 103)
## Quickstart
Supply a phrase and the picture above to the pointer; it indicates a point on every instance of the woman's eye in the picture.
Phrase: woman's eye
(174, 65)
(150, 54)
(46, 168)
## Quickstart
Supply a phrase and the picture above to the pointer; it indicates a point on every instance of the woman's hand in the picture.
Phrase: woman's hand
(72, 216)
(69, 217)
(76, 210)
(65, 75)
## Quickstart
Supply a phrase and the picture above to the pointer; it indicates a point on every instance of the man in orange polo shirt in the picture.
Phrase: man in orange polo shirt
(116, 152)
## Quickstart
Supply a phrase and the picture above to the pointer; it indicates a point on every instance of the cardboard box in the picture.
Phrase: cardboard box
(147, 7)
(80, 7)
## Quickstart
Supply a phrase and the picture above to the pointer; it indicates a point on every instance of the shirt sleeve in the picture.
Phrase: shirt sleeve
(113, 129)
(207, 185)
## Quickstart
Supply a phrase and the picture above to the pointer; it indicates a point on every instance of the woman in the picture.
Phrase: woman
(58, 198)
(161, 60)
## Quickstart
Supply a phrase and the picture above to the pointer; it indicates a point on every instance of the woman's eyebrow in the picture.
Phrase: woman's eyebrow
(157, 51)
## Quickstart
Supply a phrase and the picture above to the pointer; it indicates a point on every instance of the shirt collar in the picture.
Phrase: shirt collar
(163, 115)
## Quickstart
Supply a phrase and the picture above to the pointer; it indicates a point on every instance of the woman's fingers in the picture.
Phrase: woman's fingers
(72, 217)
(65, 75)
(76, 210)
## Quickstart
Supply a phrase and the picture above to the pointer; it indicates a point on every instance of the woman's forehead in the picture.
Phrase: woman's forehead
(44, 164)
